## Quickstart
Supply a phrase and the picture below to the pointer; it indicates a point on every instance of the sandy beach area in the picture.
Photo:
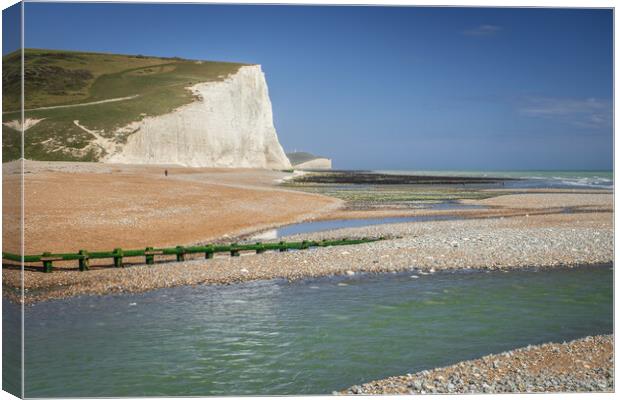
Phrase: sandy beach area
(73, 206)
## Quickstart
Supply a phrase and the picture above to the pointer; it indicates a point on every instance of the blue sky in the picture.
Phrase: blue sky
(389, 88)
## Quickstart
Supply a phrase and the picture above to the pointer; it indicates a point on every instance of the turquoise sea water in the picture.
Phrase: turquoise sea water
(307, 337)
(551, 179)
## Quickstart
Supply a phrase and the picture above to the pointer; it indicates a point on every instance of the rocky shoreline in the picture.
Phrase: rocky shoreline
(375, 178)
(582, 365)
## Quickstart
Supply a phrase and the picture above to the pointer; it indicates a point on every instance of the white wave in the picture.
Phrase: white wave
(593, 182)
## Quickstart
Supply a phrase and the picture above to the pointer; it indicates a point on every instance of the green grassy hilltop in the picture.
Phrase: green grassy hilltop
(59, 85)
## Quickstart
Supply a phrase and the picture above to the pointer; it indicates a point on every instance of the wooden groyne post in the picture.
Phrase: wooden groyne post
(234, 251)
(259, 248)
(118, 257)
(180, 253)
(47, 260)
(83, 261)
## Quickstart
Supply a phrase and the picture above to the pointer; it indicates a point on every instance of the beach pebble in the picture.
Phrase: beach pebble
(551, 367)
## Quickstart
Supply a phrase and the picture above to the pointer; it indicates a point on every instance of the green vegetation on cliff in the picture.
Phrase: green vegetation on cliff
(59, 85)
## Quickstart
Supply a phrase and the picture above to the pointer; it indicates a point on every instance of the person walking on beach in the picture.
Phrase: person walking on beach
(166, 172)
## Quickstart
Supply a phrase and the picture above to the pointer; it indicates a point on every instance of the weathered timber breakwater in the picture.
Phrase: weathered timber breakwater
(179, 252)
(519, 242)
(582, 365)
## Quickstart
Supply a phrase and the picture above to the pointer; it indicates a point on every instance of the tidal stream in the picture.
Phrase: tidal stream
(307, 337)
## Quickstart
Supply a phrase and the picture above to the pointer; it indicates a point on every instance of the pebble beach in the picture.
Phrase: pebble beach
(582, 365)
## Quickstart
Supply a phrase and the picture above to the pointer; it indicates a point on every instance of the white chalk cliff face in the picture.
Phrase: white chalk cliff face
(229, 125)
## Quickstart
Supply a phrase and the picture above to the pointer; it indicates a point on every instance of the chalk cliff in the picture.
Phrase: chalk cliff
(230, 124)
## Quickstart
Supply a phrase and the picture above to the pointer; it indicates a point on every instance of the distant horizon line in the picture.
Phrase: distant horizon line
(477, 170)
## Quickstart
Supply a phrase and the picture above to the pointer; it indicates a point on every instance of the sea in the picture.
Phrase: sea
(529, 179)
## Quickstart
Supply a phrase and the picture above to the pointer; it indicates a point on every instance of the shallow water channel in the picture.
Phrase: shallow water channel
(328, 225)
(313, 336)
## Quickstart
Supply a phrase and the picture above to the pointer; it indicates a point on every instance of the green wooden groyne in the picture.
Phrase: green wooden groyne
(83, 257)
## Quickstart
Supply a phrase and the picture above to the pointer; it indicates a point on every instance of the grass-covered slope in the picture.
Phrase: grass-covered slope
(131, 87)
